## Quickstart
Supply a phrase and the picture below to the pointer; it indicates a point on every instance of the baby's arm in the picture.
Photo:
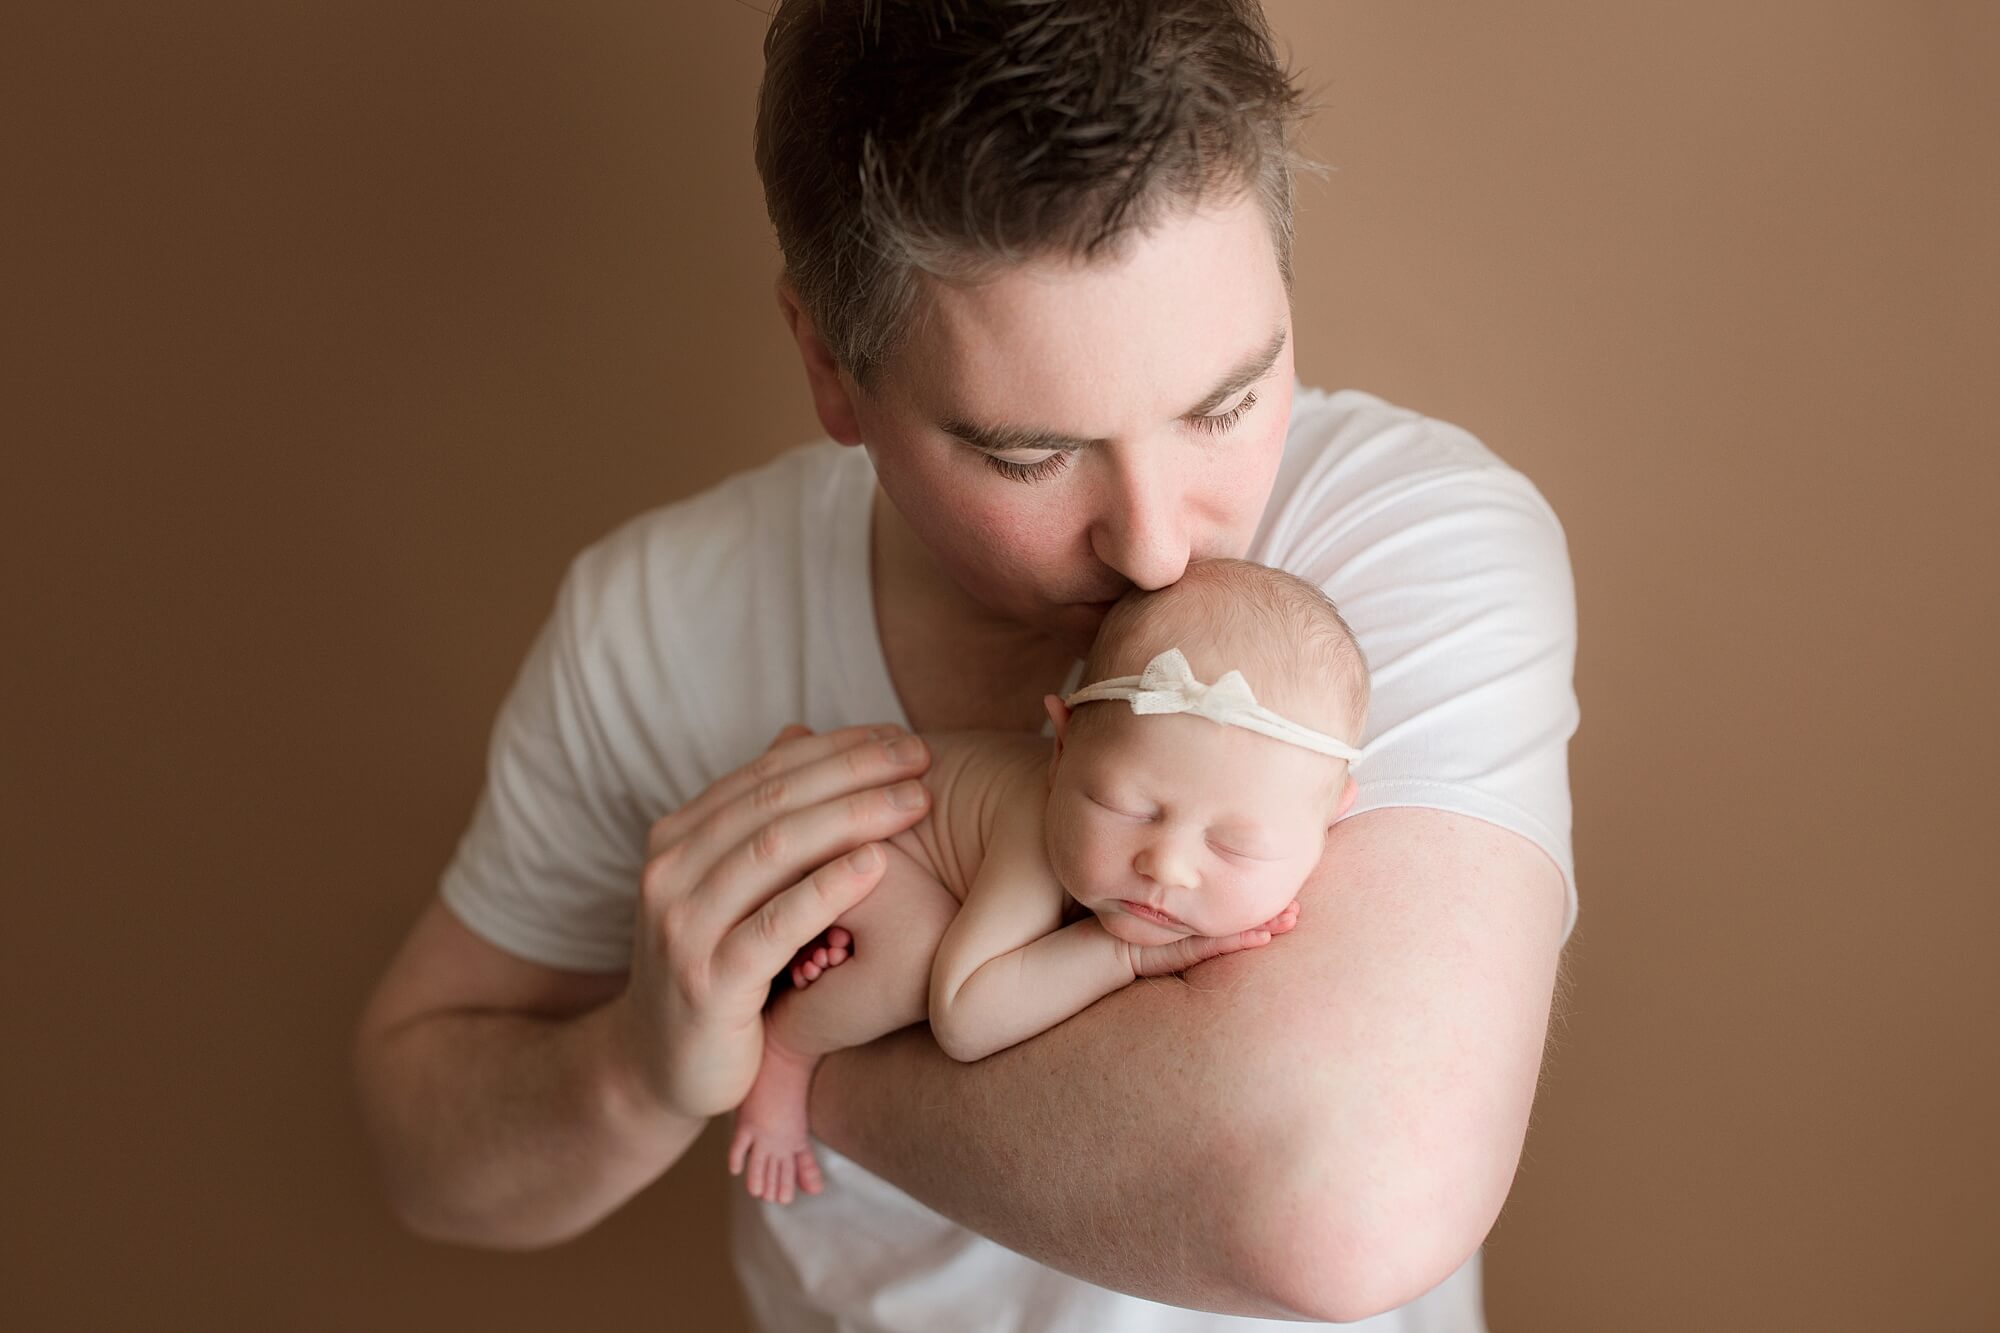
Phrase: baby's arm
(1004, 970)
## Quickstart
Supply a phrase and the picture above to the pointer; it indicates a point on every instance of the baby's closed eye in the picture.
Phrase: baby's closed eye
(1104, 803)
(1240, 854)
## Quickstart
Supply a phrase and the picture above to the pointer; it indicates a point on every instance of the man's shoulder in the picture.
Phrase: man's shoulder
(716, 543)
(732, 510)
(1349, 454)
(1371, 442)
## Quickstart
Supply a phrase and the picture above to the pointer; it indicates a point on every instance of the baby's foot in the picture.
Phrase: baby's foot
(813, 961)
(771, 1130)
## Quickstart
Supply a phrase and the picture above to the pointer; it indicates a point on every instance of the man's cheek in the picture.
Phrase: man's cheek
(1019, 534)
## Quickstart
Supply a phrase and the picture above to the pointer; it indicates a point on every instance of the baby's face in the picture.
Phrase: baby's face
(1217, 827)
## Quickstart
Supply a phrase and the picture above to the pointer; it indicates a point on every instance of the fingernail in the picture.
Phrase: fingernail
(864, 860)
(886, 733)
(907, 750)
(907, 795)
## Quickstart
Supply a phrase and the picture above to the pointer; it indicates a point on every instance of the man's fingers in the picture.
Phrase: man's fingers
(781, 851)
(788, 750)
(768, 938)
(777, 816)
(794, 749)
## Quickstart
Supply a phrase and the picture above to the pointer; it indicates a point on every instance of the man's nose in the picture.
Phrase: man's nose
(1140, 528)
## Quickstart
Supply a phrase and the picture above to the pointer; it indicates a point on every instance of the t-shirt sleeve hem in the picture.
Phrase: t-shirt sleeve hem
(534, 943)
(1459, 799)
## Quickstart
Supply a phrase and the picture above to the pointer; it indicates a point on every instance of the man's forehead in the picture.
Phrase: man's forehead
(1153, 331)
(1023, 430)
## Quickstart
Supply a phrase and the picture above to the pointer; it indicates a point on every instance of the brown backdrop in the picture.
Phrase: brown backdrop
(337, 329)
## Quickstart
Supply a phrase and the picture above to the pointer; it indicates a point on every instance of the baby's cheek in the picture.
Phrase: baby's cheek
(1081, 861)
(1062, 850)
(1267, 895)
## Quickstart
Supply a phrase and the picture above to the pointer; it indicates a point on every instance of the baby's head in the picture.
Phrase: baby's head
(1216, 826)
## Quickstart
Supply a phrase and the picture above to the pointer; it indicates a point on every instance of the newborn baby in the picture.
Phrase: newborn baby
(1173, 818)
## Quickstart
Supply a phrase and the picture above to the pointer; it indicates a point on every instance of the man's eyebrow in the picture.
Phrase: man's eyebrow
(1002, 439)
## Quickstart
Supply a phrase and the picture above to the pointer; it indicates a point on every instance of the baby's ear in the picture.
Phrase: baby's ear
(1059, 715)
(1346, 798)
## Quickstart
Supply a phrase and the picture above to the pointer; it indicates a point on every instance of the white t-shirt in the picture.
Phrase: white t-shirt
(679, 646)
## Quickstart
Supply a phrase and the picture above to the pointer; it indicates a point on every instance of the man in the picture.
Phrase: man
(1037, 261)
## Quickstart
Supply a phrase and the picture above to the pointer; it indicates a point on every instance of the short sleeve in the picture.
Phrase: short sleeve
(1456, 581)
(549, 867)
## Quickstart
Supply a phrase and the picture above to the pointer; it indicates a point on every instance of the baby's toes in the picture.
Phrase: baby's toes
(837, 937)
(768, 1186)
(784, 1180)
(835, 957)
(810, 1179)
(819, 956)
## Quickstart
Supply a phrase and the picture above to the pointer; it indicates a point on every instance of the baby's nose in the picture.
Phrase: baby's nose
(1166, 864)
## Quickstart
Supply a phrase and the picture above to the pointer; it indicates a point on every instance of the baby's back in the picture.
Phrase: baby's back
(972, 774)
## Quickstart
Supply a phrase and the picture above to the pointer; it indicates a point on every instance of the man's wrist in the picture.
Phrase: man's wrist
(630, 1106)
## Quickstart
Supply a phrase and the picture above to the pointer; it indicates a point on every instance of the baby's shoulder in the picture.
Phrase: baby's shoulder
(988, 755)
(976, 773)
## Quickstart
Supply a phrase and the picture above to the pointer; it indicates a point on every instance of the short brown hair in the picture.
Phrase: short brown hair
(947, 137)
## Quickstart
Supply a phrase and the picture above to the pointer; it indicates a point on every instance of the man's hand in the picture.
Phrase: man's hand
(1155, 960)
(723, 908)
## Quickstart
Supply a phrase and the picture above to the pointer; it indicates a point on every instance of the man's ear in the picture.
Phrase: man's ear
(1058, 714)
(832, 392)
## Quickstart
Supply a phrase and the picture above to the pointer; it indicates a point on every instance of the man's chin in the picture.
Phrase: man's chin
(1076, 625)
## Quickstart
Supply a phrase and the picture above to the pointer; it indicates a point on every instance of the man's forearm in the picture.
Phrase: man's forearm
(1115, 1147)
(1325, 1127)
(506, 1130)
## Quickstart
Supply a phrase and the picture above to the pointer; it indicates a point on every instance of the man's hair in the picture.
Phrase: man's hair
(953, 137)
(1285, 635)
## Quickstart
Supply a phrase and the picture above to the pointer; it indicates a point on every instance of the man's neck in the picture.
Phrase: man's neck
(954, 664)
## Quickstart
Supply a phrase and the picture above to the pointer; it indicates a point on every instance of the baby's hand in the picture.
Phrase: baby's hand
(1156, 960)
(1284, 920)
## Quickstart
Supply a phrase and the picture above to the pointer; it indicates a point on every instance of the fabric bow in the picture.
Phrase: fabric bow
(1168, 685)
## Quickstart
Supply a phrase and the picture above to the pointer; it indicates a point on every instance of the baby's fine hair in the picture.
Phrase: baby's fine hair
(1285, 635)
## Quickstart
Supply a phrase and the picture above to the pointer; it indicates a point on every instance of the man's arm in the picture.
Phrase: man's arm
(488, 1089)
(1323, 1128)
(514, 1105)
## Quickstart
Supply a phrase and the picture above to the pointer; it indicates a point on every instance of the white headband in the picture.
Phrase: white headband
(1168, 686)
